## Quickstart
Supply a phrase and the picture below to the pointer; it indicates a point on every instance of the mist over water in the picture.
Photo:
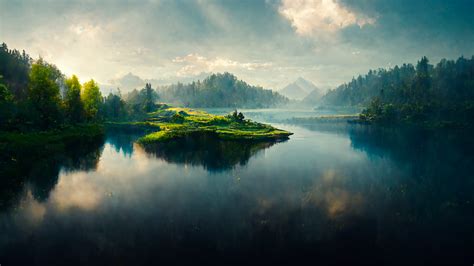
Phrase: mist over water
(329, 194)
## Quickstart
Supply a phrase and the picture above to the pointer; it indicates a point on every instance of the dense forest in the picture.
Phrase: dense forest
(35, 95)
(220, 90)
(424, 93)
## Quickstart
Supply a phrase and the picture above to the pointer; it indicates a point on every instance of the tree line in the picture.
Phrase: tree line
(220, 90)
(35, 95)
(441, 93)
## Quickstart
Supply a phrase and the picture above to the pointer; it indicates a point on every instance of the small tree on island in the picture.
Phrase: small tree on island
(237, 116)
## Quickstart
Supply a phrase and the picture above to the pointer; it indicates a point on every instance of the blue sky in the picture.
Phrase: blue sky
(265, 42)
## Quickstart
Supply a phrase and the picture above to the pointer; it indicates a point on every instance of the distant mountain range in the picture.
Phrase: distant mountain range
(301, 89)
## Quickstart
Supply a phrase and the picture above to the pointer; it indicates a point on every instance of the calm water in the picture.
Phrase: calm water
(331, 194)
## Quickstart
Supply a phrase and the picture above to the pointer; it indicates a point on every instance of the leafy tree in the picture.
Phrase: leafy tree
(142, 102)
(115, 107)
(6, 103)
(44, 94)
(92, 100)
(73, 103)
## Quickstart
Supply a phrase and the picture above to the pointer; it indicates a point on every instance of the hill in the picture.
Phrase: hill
(220, 90)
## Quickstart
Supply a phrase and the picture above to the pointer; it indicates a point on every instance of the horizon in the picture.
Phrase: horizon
(265, 43)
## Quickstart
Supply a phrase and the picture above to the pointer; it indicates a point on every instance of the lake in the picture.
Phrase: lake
(334, 193)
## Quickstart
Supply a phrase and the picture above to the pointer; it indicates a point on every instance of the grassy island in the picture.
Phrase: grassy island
(172, 123)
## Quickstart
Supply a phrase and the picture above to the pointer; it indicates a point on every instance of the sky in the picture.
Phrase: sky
(264, 42)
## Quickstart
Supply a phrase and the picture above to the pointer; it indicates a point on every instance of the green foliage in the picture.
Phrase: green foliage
(236, 116)
(92, 100)
(73, 103)
(221, 90)
(15, 68)
(141, 102)
(174, 125)
(425, 94)
(177, 118)
(44, 95)
(5, 94)
(115, 107)
(6, 105)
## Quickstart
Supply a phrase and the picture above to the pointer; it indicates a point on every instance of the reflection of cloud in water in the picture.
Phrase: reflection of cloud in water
(33, 210)
(77, 191)
(328, 192)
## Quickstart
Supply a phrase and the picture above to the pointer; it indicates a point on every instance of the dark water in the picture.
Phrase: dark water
(332, 194)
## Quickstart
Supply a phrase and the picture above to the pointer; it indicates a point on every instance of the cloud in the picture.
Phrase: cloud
(193, 64)
(313, 38)
(309, 17)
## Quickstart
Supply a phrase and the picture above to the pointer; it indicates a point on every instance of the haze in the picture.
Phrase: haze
(267, 43)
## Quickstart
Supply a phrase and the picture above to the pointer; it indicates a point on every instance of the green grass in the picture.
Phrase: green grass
(175, 123)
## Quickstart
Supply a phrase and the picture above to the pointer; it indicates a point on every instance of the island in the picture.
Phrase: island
(169, 123)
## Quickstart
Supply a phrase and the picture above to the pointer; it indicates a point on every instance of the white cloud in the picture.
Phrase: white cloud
(193, 64)
(310, 17)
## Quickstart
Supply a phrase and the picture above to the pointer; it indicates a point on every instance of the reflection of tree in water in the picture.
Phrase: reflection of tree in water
(40, 171)
(122, 139)
(423, 149)
(212, 154)
(433, 193)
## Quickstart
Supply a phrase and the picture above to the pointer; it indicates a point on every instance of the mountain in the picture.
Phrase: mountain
(298, 89)
(313, 97)
(130, 81)
(305, 84)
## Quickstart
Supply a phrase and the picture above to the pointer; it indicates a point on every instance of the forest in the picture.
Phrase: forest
(35, 95)
(435, 95)
(221, 90)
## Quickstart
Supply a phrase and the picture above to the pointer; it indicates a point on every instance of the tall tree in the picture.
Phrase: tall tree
(44, 93)
(6, 104)
(149, 104)
(422, 82)
(92, 99)
(14, 67)
(114, 107)
(73, 103)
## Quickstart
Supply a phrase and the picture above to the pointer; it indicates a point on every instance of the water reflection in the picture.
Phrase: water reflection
(348, 196)
(123, 139)
(37, 172)
(213, 155)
